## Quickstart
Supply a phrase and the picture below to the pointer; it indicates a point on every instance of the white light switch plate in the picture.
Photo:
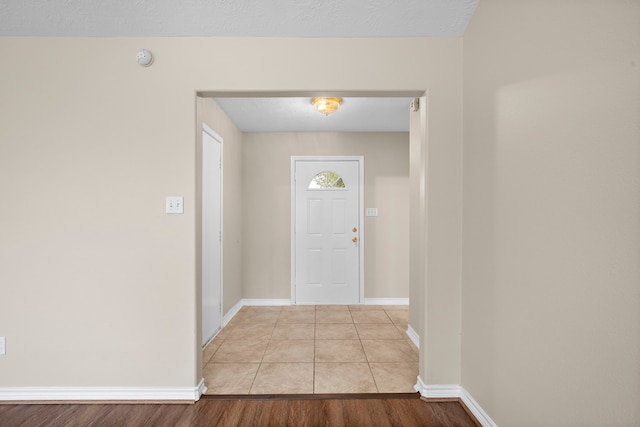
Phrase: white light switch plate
(174, 205)
(3, 345)
(372, 211)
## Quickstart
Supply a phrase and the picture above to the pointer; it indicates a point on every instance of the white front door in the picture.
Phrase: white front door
(211, 234)
(327, 230)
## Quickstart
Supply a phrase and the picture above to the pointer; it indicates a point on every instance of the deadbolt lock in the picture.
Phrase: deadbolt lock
(355, 229)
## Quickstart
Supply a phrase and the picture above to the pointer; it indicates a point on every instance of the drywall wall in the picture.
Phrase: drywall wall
(551, 279)
(267, 201)
(95, 277)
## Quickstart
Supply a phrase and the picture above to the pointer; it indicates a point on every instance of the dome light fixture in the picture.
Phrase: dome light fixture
(326, 106)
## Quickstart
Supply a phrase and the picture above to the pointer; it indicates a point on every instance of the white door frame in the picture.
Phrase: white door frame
(360, 160)
(218, 138)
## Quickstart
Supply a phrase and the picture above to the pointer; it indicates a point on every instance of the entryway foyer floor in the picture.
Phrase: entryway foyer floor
(313, 349)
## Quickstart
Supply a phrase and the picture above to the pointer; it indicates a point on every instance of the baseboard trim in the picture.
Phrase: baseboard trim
(283, 302)
(231, 313)
(265, 301)
(386, 301)
(449, 391)
(413, 336)
(103, 394)
(482, 417)
(202, 389)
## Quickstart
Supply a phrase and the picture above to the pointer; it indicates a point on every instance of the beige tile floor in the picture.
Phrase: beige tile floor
(313, 349)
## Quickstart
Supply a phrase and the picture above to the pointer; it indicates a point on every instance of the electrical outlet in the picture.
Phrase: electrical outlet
(3, 345)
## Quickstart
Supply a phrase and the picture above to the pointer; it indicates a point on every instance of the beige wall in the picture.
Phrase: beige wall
(551, 294)
(267, 202)
(95, 277)
(211, 114)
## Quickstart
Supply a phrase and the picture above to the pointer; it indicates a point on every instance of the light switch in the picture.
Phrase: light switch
(372, 211)
(175, 205)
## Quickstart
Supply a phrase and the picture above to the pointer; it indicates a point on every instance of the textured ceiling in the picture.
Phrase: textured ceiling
(255, 18)
(235, 18)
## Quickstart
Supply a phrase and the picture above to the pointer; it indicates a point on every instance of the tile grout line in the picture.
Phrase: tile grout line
(264, 352)
(366, 358)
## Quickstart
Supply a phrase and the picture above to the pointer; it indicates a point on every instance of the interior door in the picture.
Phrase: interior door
(327, 231)
(211, 234)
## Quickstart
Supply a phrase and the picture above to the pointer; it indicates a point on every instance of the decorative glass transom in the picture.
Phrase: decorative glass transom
(326, 181)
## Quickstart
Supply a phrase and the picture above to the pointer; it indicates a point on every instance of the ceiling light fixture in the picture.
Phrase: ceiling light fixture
(326, 106)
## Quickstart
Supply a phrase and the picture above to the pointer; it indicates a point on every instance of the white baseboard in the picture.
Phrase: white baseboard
(413, 336)
(482, 417)
(202, 389)
(234, 310)
(447, 391)
(386, 301)
(266, 301)
(161, 394)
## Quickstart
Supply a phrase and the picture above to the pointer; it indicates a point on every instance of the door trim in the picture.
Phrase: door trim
(360, 160)
(215, 135)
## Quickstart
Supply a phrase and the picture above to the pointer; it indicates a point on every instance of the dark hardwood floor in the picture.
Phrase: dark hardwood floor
(298, 412)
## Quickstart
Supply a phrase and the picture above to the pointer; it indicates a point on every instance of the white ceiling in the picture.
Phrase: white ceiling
(356, 114)
(255, 18)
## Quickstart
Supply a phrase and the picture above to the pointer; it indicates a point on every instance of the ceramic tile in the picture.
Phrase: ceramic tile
(399, 318)
(370, 317)
(332, 307)
(243, 351)
(368, 353)
(251, 331)
(236, 320)
(395, 377)
(224, 332)
(289, 351)
(265, 309)
(261, 317)
(299, 308)
(343, 378)
(229, 378)
(413, 347)
(210, 350)
(378, 331)
(395, 307)
(293, 331)
(388, 351)
(283, 378)
(402, 331)
(333, 316)
(339, 351)
(363, 307)
(336, 331)
(301, 316)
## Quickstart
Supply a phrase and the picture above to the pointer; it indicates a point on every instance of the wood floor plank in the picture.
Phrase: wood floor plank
(254, 413)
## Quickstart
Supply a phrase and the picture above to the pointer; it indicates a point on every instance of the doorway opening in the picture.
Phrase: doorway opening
(263, 189)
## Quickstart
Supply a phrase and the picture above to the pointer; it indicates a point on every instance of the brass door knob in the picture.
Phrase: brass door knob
(354, 240)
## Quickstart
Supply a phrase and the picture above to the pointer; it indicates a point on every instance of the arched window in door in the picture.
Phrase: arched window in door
(327, 181)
